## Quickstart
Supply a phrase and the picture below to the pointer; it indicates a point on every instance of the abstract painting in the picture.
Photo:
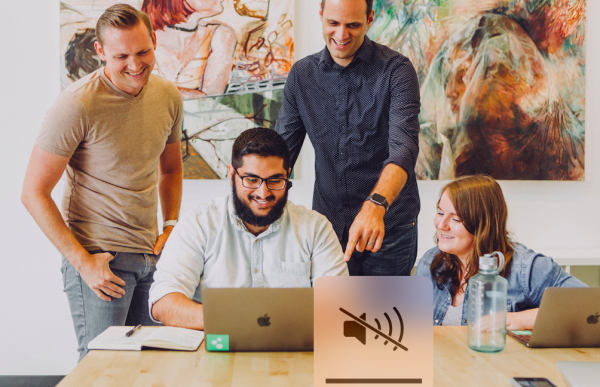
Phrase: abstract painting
(228, 58)
(502, 84)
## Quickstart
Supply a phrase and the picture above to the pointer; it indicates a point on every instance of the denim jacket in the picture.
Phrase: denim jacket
(529, 275)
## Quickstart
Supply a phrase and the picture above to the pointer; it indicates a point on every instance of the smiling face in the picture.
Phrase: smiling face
(129, 56)
(259, 207)
(345, 24)
(453, 237)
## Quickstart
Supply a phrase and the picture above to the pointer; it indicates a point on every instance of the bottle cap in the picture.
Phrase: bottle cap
(488, 262)
(492, 263)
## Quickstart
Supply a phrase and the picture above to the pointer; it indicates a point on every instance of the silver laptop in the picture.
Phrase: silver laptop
(568, 317)
(580, 373)
(258, 319)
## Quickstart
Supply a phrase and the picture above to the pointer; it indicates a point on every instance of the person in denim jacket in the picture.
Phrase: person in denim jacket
(470, 222)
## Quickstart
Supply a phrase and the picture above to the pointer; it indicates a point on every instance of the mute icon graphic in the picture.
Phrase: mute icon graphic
(358, 326)
(354, 329)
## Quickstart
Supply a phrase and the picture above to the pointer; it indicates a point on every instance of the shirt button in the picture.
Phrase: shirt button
(436, 321)
(256, 241)
(465, 321)
(448, 298)
(255, 270)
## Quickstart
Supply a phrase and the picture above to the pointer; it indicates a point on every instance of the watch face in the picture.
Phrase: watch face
(378, 198)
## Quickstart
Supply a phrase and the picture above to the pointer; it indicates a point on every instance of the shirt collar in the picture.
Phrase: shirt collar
(239, 224)
(118, 91)
(326, 58)
(364, 53)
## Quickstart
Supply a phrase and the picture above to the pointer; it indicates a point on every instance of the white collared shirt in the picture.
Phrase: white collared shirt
(211, 247)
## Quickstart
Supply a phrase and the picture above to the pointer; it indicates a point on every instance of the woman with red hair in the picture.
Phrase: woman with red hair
(194, 54)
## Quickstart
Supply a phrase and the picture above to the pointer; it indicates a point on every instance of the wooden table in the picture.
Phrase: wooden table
(454, 365)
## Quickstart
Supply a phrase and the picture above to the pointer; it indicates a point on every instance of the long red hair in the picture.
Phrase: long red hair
(166, 12)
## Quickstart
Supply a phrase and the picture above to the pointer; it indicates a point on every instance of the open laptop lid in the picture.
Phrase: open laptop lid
(568, 317)
(258, 319)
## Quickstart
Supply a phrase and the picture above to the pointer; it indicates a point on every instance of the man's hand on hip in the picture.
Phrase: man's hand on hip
(367, 230)
(162, 240)
(96, 273)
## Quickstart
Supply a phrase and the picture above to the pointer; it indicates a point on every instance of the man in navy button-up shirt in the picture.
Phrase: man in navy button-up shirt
(359, 103)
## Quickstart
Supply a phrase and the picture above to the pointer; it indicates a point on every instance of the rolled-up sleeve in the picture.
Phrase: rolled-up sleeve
(289, 123)
(404, 117)
(545, 273)
(181, 264)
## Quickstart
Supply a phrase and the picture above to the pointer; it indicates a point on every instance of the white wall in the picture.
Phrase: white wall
(36, 332)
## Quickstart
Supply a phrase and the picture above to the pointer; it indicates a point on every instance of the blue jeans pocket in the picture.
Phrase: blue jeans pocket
(113, 253)
(115, 256)
(397, 253)
(404, 226)
(398, 236)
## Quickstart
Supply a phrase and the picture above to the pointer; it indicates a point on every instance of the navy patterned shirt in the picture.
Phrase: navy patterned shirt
(359, 118)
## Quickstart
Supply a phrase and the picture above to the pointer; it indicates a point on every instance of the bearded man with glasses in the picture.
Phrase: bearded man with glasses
(253, 237)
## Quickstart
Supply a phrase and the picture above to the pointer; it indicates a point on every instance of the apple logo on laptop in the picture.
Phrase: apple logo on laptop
(593, 319)
(264, 321)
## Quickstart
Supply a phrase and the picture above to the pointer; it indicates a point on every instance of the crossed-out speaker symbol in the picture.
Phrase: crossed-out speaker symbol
(357, 328)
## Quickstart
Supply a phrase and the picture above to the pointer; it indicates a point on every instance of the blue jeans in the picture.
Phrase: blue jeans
(396, 257)
(91, 315)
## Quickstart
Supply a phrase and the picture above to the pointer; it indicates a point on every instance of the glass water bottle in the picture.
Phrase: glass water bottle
(487, 305)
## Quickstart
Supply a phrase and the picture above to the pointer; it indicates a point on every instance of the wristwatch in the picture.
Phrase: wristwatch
(378, 199)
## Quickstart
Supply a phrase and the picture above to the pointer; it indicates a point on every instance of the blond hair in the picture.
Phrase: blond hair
(480, 205)
(122, 16)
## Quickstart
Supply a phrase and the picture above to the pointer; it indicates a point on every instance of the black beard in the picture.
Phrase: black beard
(245, 213)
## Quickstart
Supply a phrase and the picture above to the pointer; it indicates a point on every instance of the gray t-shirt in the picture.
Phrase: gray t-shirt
(114, 141)
(453, 315)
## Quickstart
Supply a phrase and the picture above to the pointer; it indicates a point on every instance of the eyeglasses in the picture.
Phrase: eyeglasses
(253, 182)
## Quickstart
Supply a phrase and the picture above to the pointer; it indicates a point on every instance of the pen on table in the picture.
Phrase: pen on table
(132, 330)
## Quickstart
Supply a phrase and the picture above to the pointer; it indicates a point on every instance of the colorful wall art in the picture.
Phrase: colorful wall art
(502, 84)
(229, 59)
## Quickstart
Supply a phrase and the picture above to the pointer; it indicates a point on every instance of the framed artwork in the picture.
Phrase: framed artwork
(502, 84)
(228, 58)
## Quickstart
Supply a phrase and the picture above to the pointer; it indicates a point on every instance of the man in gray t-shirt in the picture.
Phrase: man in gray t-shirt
(117, 133)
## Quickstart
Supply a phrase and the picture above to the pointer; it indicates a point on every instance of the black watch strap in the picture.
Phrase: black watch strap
(379, 199)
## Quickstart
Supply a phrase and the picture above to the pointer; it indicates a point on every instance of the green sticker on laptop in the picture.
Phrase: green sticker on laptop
(217, 342)
(523, 333)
